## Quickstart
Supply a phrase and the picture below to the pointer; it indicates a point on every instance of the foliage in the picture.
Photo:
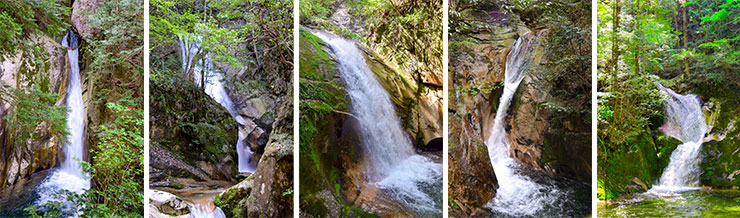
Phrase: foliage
(685, 45)
(33, 108)
(27, 17)
(120, 44)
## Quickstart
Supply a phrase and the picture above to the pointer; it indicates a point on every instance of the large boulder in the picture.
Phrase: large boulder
(272, 195)
(81, 9)
(269, 191)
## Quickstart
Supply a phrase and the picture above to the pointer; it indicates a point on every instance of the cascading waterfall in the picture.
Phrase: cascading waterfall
(393, 163)
(516, 195)
(684, 121)
(70, 175)
(215, 88)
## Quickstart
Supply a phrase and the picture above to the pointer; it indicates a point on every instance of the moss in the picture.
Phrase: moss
(175, 185)
(314, 206)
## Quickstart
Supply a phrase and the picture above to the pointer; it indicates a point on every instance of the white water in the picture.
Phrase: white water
(393, 164)
(516, 195)
(684, 120)
(215, 88)
(70, 175)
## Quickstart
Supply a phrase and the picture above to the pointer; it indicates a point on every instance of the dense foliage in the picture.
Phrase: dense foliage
(689, 46)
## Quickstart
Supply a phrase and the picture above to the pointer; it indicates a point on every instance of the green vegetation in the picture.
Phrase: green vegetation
(688, 46)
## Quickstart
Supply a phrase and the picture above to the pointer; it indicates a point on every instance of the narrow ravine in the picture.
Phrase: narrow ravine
(203, 207)
(684, 120)
(516, 195)
(520, 194)
(414, 180)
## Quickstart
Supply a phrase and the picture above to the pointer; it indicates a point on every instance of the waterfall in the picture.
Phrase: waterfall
(684, 120)
(215, 88)
(516, 195)
(70, 175)
(393, 163)
(76, 115)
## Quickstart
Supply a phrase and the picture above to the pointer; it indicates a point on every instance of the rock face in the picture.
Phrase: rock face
(19, 159)
(721, 149)
(80, 12)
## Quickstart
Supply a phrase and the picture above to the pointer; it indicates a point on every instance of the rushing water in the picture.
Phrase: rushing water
(69, 176)
(201, 206)
(393, 164)
(684, 120)
(697, 203)
(525, 195)
(215, 88)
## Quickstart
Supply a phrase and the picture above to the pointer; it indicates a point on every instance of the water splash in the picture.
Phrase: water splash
(215, 88)
(516, 195)
(684, 120)
(206, 211)
(393, 164)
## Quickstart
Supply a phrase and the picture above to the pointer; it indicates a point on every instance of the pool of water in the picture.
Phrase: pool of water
(696, 203)
(573, 199)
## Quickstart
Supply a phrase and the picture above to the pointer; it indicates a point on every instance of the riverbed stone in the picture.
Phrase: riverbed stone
(167, 203)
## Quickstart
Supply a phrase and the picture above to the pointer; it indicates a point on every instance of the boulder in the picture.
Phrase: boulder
(272, 193)
(167, 203)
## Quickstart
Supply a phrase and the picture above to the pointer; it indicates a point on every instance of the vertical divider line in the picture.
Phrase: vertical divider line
(594, 103)
(296, 107)
(445, 104)
(146, 108)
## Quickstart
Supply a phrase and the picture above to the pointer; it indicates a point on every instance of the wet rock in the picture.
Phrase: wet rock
(165, 203)
(257, 139)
